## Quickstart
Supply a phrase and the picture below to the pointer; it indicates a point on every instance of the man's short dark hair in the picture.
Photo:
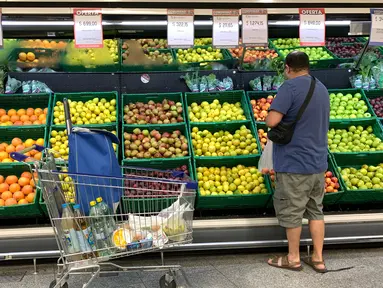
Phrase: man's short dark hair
(297, 61)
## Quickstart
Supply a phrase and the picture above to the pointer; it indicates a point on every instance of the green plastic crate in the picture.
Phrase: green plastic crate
(233, 201)
(15, 65)
(359, 196)
(353, 92)
(372, 94)
(85, 96)
(225, 126)
(205, 65)
(25, 101)
(30, 210)
(255, 95)
(161, 129)
(377, 130)
(231, 97)
(156, 97)
(151, 66)
(8, 133)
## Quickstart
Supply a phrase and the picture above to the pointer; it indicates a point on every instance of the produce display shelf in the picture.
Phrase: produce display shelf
(86, 96)
(373, 94)
(157, 98)
(255, 95)
(353, 92)
(225, 126)
(21, 210)
(357, 161)
(231, 201)
(160, 128)
(52, 59)
(230, 97)
(24, 101)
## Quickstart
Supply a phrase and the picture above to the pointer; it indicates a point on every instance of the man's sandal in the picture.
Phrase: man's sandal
(313, 264)
(285, 263)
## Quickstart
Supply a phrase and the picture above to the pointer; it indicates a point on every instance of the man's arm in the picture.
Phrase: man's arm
(281, 104)
(273, 118)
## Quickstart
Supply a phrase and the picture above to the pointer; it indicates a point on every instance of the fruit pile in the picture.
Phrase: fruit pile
(154, 56)
(355, 139)
(43, 44)
(253, 54)
(286, 43)
(215, 112)
(153, 144)
(193, 55)
(314, 53)
(331, 183)
(367, 177)
(17, 145)
(23, 117)
(152, 43)
(27, 57)
(346, 51)
(165, 112)
(59, 144)
(203, 41)
(261, 107)
(262, 135)
(348, 106)
(17, 190)
(330, 41)
(238, 180)
(93, 111)
(223, 143)
(377, 105)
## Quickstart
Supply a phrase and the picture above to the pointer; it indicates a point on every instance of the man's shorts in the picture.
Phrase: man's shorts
(298, 196)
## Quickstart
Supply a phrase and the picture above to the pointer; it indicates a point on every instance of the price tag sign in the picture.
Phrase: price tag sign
(312, 27)
(225, 28)
(180, 28)
(254, 27)
(88, 28)
(376, 34)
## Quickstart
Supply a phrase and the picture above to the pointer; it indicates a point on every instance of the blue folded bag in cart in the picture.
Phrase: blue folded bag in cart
(94, 164)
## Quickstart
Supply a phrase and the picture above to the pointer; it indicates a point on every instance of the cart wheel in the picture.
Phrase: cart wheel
(53, 284)
(167, 281)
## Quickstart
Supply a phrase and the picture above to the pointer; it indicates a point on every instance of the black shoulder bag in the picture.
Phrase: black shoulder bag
(283, 132)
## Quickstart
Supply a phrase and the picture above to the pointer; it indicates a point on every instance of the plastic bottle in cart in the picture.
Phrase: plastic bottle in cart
(110, 226)
(68, 227)
(84, 233)
(98, 228)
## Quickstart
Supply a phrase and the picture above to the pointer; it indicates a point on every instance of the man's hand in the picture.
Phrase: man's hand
(273, 118)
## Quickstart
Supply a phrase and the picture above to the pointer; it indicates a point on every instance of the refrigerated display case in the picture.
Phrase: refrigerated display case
(237, 227)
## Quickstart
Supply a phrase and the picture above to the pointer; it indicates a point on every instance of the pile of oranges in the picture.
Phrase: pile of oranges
(17, 145)
(23, 117)
(43, 44)
(17, 190)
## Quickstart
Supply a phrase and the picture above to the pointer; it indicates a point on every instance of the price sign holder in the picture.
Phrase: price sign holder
(254, 27)
(376, 34)
(180, 28)
(312, 26)
(88, 28)
(225, 28)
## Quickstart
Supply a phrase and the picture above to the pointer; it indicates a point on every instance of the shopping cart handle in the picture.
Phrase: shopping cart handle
(20, 157)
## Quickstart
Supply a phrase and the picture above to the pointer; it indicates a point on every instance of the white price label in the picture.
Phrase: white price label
(312, 27)
(225, 28)
(254, 27)
(376, 34)
(180, 28)
(88, 28)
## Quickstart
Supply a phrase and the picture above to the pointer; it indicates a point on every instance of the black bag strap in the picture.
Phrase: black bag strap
(307, 99)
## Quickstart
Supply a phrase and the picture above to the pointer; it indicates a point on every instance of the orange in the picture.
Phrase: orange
(15, 118)
(32, 152)
(18, 123)
(27, 174)
(53, 44)
(23, 201)
(5, 118)
(40, 141)
(2, 112)
(38, 111)
(22, 56)
(42, 117)
(19, 148)
(8, 160)
(27, 123)
(11, 179)
(11, 112)
(18, 195)
(10, 202)
(1, 179)
(37, 122)
(3, 155)
(2, 202)
(29, 143)
(6, 195)
(24, 118)
(31, 56)
(21, 112)
(32, 183)
(23, 181)
(30, 111)
(33, 118)
(4, 187)
(2, 147)
(27, 189)
(38, 156)
(10, 149)
(16, 141)
(14, 187)
(31, 197)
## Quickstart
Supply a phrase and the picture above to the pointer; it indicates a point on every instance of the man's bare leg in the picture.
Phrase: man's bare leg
(317, 234)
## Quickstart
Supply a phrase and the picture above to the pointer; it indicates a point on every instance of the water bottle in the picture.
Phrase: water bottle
(68, 227)
(84, 233)
(110, 225)
(97, 223)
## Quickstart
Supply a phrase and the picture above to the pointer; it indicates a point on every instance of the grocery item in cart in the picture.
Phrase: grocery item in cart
(68, 226)
(83, 231)
(98, 228)
(109, 221)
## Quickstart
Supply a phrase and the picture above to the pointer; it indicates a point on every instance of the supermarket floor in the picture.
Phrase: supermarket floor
(243, 270)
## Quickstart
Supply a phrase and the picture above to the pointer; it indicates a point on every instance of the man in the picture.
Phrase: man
(300, 164)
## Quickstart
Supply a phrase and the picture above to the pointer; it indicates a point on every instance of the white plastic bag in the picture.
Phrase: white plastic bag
(265, 163)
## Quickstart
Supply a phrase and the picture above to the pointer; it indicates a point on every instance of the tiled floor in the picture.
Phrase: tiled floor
(243, 270)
